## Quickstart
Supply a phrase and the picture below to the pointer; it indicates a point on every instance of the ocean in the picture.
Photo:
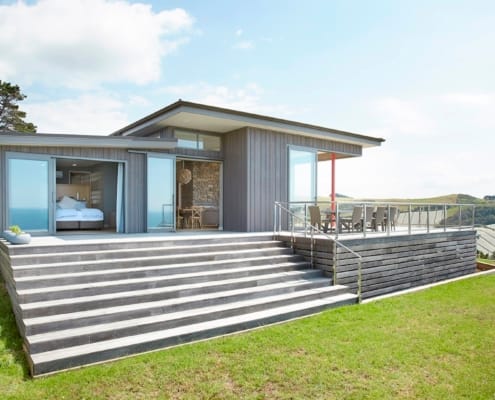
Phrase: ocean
(29, 219)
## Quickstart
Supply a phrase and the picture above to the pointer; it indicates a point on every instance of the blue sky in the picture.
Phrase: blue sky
(417, 73)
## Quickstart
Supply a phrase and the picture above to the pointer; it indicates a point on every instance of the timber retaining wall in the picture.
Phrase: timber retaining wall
(394, 263)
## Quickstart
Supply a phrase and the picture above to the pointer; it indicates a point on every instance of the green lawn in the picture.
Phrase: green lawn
(434, 344)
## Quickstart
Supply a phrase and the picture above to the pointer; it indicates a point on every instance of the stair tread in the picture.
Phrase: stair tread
(148, 268)
(117, 282)
(169, 249)
(69, 352)
(161, 257)
(132, 293)
(113, 326)
(170, 302)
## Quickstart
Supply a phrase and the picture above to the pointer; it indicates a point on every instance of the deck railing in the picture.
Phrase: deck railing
(408, 218)
(280, 211)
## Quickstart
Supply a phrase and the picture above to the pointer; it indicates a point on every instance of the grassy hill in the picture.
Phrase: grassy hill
(484, 213)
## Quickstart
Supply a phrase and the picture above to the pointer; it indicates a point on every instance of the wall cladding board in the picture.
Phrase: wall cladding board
(267, 170)
(235, 181)
(395, 263)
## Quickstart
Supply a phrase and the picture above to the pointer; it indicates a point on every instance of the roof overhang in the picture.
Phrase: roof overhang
(55, 140)
(196, 116)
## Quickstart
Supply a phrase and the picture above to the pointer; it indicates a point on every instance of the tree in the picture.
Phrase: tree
(11, 118)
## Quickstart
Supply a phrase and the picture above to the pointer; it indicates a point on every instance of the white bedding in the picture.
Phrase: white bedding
(84, 214)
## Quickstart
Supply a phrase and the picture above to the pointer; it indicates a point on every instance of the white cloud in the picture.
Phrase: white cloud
(470, 99)
(98, 114)
(238, 32)
(83, 42)
(435, 145)
(249, 98)
(244, 45)
(398, 116)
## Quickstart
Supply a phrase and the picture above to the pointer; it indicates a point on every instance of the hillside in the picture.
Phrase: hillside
(484, 212)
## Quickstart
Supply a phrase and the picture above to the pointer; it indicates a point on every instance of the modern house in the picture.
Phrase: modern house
(211, 234)
(239, 164)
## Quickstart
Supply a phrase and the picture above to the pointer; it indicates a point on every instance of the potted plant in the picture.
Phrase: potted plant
(15, 235)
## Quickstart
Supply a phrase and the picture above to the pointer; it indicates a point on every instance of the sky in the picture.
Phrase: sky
(419, 74)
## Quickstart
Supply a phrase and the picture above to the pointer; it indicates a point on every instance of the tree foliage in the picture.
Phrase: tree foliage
(11, 117)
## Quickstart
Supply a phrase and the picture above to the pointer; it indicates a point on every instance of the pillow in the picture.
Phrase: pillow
(67, 202)
(80, 205)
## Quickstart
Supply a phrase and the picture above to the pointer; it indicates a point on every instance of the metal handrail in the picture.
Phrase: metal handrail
(411, 208)
(313, 229)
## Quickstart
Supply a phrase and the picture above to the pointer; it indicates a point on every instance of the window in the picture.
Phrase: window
(197, 141)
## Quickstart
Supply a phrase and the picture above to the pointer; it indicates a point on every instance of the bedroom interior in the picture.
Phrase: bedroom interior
(86, 194)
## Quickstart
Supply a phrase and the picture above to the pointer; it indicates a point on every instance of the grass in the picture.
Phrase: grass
(434, 344)
(486, 261)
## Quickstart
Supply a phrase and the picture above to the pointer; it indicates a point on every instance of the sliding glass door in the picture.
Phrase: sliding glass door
(30, 182)
(302, 175)
(161, 193)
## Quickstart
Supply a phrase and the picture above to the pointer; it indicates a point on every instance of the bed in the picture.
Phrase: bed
(73, 214)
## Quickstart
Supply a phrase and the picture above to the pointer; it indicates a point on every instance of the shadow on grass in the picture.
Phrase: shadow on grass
(9, 335)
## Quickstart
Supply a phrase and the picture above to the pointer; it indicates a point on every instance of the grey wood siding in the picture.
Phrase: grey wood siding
(135, 206)
(396, 262)
(235, 181)
(267, 169)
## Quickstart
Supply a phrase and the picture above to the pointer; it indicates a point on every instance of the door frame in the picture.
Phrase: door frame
(173, 158)
(51, 179)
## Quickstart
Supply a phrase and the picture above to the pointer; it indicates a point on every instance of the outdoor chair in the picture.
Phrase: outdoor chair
(354, 222)
(315, 216)
(394, 216)
(380, 217)
(196, 217)
(369, 218)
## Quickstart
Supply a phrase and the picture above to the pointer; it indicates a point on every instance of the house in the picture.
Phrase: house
(84, 299)
(236, 165)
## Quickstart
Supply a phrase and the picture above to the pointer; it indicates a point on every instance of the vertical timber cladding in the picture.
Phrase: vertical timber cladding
(401, 262)
(134, 179)
(267, 168)
(235, 181)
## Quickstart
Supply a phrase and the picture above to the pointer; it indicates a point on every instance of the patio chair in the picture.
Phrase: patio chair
(354, 222)
(196, 217)
(380, 218)
(394, 216)
(369, 217)
(315, 216)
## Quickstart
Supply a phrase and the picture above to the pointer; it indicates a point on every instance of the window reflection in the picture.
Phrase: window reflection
(28, 194)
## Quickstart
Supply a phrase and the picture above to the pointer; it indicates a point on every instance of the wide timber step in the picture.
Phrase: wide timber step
(78, 305)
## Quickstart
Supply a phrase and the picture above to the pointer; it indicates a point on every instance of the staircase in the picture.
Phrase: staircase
(79, 304)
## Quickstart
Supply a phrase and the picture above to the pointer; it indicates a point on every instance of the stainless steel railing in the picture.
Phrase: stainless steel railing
(280, 211)
(410, 218)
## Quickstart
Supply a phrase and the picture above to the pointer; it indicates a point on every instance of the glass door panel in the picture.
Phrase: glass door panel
(28, 188)
(302, 175)
(161, 193)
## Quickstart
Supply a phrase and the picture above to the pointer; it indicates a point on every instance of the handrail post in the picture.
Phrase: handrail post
(409, 220)
(274, 218)
(445, 217)
(427, 218)
(335, 262)
(388, 219)
(311, 246)
(460, 216)
(360, 262)
(363, 225)
(305, 218)
(337, 220)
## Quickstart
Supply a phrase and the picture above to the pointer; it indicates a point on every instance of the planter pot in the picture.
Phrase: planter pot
(23, 238)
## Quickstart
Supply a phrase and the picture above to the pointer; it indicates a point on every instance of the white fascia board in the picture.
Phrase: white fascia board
(39, 140)
(286, 127)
